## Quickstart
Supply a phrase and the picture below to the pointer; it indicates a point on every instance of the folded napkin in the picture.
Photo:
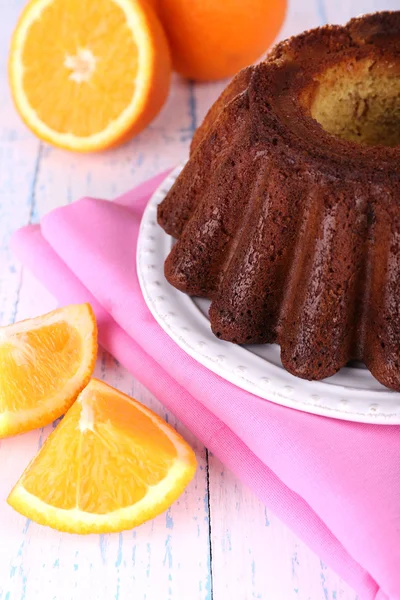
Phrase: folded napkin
(335, 483)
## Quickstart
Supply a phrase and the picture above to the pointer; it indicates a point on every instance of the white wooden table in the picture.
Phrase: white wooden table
(218, 541)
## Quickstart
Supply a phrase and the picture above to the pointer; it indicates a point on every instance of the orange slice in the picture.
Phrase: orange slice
(44, 363)
(110, 465)
(88, 74)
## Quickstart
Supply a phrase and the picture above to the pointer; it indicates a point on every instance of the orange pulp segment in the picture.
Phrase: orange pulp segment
(44, 363)
(110, 465)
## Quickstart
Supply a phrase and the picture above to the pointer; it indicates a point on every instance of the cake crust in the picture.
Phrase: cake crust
(287, 214)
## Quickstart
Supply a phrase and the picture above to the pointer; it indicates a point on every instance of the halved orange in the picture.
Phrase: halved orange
(44, 363)
(213, 39)
(110, 465)
(88, 74)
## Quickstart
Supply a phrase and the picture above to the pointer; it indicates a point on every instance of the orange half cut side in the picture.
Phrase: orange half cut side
(88, 74)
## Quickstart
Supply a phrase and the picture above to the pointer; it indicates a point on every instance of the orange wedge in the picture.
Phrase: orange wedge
(88, 74)
(44, 363)
(110, 465)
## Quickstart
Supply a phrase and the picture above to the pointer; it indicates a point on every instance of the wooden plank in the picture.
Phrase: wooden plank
(19, 156)
(18, 171)
(254, 555)
(149, 562)
(153, 560)
(341, 11)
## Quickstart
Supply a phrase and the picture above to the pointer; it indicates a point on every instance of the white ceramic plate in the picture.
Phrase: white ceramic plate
(352, 394)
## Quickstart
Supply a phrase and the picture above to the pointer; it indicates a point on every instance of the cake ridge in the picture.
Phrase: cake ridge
(213, 232)
(243, 223)
(197, 171)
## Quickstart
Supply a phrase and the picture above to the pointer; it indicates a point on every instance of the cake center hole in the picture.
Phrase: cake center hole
(359, 101)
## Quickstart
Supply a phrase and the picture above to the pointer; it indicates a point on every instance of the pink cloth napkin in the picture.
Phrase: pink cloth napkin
(335, 483)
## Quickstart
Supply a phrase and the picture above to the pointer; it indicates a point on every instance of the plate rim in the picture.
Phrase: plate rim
(272, 394)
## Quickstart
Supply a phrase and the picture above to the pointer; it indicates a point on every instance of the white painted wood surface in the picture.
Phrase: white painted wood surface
(218, 541)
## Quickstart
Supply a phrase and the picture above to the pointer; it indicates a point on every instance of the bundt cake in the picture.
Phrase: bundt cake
(287, 214)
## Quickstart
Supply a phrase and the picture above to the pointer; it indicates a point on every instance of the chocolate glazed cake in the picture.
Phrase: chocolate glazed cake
(287, 214)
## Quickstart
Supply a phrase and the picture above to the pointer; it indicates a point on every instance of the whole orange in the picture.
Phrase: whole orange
(213, 39)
